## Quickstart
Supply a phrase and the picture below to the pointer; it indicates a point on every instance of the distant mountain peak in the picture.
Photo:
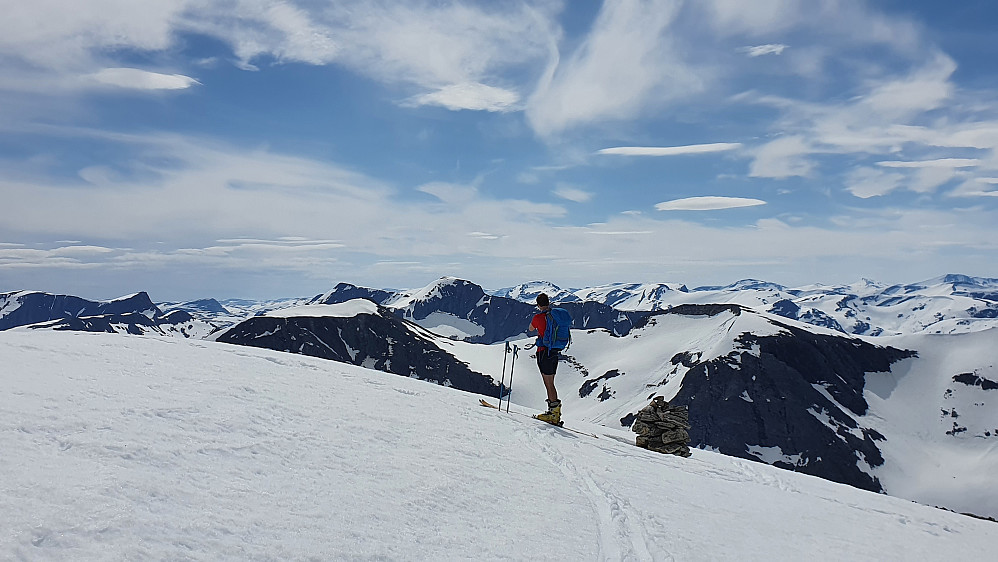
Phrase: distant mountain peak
(744, 284)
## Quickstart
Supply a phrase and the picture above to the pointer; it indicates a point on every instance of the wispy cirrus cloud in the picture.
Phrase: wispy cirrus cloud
(571, 193)
(46, 36)
(784, 157)
(937, 163)
(762, 50)
(847, 23)
(455, 53)
(978, 187)
(448, 54)
(869, 182)
(887, 116)
(626, 62)
(896, 116)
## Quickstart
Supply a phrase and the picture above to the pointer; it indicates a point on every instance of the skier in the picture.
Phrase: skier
(547, 361)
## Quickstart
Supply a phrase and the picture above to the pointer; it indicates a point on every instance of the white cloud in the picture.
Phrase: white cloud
(627, 63)
(756, 18)
(925, 89)
(670, 150)
(473, 96)
(137, 79)
(573, 194)
(434, 44)
(978, 187)
(61, 257)
(619, 232)
(869, 182)
(708, 203)
(761, 50)
(848, 22)
(449, 193)
(938, 163)
(451, 50)
(926, 180)
(49, 34)
(917, 113)
(885, 118)
(80, 250)
(485, 235)
(310, 224)
(782, 158)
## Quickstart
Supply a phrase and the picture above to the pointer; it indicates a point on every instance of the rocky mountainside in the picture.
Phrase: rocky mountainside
(359, 332)
(794, 399)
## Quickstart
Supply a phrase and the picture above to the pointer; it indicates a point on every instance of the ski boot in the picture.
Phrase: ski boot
(553, 415)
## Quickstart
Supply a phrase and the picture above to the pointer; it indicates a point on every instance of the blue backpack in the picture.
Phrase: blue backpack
(558, 333)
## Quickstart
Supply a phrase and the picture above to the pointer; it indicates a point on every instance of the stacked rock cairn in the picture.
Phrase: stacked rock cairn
(663, 428)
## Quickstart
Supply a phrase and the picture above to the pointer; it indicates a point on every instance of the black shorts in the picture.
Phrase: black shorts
(547, 361)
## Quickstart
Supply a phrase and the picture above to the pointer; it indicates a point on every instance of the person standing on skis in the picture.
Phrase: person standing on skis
(547, 360)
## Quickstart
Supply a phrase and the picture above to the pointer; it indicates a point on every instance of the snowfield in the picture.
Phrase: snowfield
(123, 448)
(340, 310)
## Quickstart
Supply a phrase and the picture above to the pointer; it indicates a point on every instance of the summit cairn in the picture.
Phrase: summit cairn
(663, 428)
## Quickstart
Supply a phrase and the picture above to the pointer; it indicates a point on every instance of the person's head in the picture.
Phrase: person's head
(543, 301)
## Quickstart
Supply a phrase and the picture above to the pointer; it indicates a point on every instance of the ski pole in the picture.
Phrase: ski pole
(502, 380)
(511, 366)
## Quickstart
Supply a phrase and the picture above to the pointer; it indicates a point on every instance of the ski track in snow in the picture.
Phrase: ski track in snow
(619, 537)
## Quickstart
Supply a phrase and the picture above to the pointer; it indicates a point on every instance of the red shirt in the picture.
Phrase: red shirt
(540, 323)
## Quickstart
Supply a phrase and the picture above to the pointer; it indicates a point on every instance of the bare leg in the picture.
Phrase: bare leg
(549, 385)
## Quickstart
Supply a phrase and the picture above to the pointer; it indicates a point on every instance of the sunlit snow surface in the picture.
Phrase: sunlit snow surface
(346, 309)
(121, 448)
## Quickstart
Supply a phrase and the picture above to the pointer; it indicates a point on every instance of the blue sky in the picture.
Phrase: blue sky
(249, 148)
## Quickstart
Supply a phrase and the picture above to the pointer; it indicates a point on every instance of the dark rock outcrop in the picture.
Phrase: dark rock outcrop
(377, 341)
(798, 391)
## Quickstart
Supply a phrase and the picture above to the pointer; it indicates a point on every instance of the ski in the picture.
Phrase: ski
(560, 425)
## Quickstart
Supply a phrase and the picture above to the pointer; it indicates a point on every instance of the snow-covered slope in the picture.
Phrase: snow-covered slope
(939, 414)
(803, 398)
(124, 448)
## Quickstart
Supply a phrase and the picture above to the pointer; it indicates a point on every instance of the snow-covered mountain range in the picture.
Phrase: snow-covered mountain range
(859, 384)
(944, 305)
(133, 314)
(462, 310)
